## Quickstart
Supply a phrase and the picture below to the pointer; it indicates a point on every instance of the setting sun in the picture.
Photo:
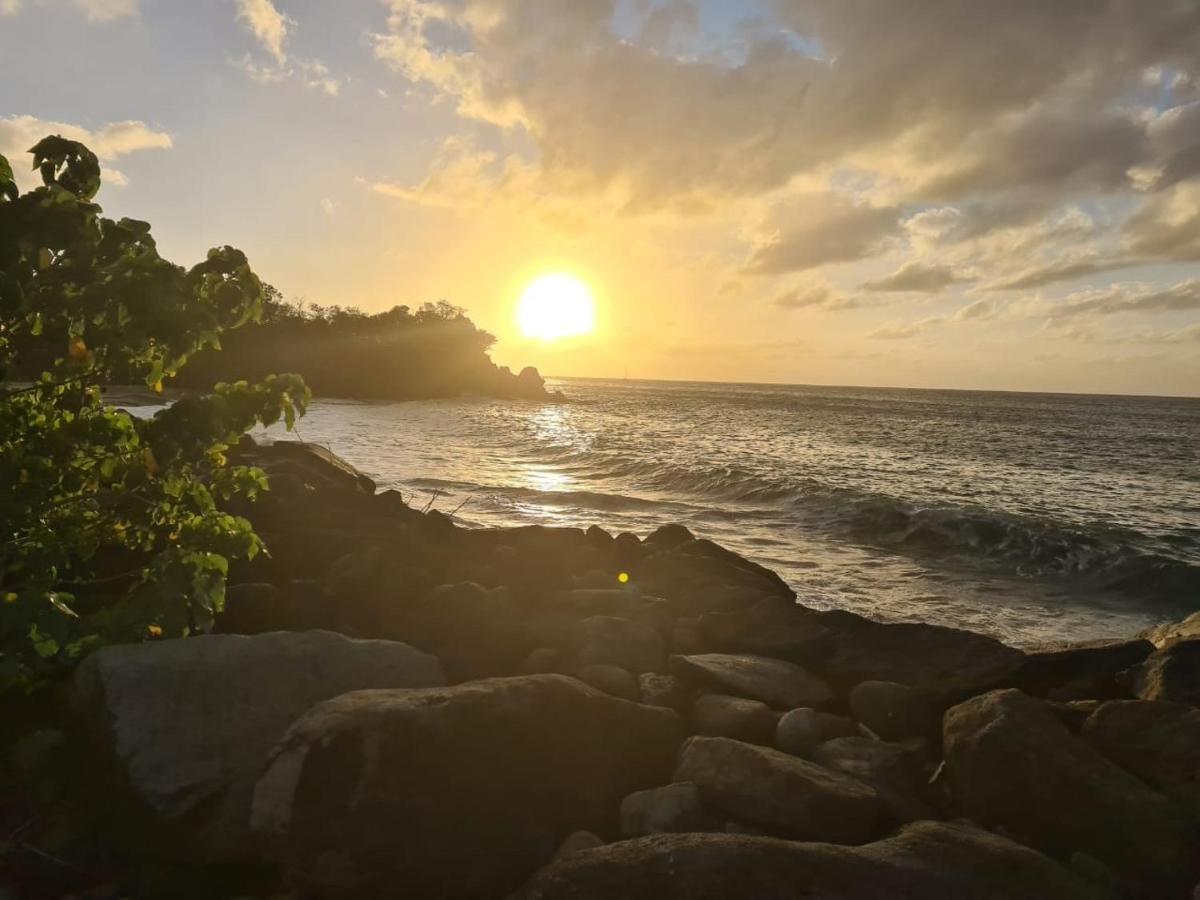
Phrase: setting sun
(556, 306)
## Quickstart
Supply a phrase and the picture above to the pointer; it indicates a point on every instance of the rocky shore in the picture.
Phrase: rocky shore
(395, 706)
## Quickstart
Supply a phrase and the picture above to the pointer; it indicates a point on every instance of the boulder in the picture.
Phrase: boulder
(717, 715)
(475, 631)
(699, 576)
(624, 602)
(789, 796)
(665, 690)
(662, 810)
(542, 660)
(924, 861)
(634, 646)
(1158, 742)
(610, 679)
(800, 730)
(946, 663)
(686, 637)
(258, 608)
(453, 792)
(892, 711)
(1171, 674)
(666, 537)
(314, 465)
(768, 628)
(780, 684)
(1013, 764)
(577, 841)
(173, 734)
(889, 768)
(1081, 671)
(1185, 630)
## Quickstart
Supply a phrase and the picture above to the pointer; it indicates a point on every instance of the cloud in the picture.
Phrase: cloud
(979, 309)
(1062, 270)
(1134, 297)
(1167, 226)
(917, 276)
(269, 26)
(811, 230)
(903, 331)
(94, 10)
(272, 29)
(816, 295)
(110, 142)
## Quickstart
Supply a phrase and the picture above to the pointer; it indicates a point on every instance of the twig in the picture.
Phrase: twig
(432, 500)
(54, 859)
(460, 506)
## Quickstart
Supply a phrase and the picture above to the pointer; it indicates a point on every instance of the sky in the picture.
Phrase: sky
(959, 194)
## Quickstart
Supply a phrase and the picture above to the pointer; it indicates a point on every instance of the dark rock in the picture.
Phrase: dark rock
(173, 734)
(789, 796)
(1081, 671)
(453, 792)
(543, 660)
(315, 465)
(1073, 713)
(1012, 764)
(599, 537)
(889, 768)
(662, 810)
(699, 577)
(260, 608)
(734, 717)
(624, 603)
(1171, 674)
(627, 551)
(475, 632)
(892, 711)
(578, 841)
(946, 663)
(777, 683)
(611, 679)
(925, 861)
(665, 690)
(1158, 742)
(686, 638)
(634, 646)
(800, 730)
(768, 628)
(666, 537)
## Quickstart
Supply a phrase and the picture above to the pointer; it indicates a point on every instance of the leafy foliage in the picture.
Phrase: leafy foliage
(112, 525)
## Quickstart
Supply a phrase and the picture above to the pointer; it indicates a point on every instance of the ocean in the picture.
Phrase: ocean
(1031, 517)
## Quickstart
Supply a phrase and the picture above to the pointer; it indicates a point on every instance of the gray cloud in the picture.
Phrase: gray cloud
(917, 276)
(811, 230)
(1183, 296)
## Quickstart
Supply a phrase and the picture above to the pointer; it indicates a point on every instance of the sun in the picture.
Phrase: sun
(556, 306)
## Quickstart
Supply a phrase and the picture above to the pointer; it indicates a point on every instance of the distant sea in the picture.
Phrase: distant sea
(1032, 517)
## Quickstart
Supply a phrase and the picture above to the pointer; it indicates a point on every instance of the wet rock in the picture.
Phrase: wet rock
(633, 646)
(1171, 674)
(662, 810)
(717, 715)
(173, 734)
(1081, 671)
(925, 861)
(892, 711)
(789, 796)
(453, 792)
(612, 680)
(1158, 742)
(699, 577)
(800, 730)
(1012, 764)
(946, 663)
(889, 768)
(1171, 632)
(665, 690)
(777, 683)
(665, 537)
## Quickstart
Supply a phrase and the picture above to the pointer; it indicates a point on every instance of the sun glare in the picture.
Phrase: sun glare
(556, 306)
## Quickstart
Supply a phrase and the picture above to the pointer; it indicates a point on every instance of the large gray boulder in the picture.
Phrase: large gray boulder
(662, 810)
(1171, 674)
(610, 640)
(782, 794)
(1171, 632)
(892, 711)
(889, 768)
(699, 576)
(777, 683)
(174, 734)
(453, 792)
(925, 861)
(799, 731)
(1081, 671)
(1158, 742)
(1013, 764)
(717, 715)
(947, 664)
(769, 628)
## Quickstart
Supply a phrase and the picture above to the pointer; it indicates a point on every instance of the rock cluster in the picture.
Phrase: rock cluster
(398, 706)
